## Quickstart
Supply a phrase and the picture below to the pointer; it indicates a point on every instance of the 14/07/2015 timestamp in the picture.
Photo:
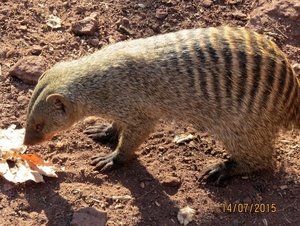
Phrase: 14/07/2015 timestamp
(251, 208)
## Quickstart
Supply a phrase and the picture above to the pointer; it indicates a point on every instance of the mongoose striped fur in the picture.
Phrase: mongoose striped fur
(235, 83)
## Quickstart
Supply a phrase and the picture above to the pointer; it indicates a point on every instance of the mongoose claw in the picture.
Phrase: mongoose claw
(102, 133)
(105, 163)
(219, 173)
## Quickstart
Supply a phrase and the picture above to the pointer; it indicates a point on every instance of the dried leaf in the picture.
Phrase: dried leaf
(27, 166)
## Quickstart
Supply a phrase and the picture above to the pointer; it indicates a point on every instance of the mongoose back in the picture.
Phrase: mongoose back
(235, 83)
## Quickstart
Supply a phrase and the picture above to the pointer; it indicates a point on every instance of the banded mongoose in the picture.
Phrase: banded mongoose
(235, 83)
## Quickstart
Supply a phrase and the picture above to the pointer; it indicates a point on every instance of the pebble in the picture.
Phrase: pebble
(29, 69)
(89, 216)
(206, 3)
(94, 42)
(161, 14)
(142, 185)
(36, 50)
(23, 100)
(283, 187)
(141, 5)
(23, 28)
(171, 181)
(86, 26)
(239, 15)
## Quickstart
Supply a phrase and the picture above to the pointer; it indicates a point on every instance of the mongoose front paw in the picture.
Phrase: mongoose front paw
(102, 133)
(106, 163)
(219, 173)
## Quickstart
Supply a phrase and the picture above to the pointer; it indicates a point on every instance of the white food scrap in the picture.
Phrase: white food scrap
(54, 21)
(185, 215)
(26, 166)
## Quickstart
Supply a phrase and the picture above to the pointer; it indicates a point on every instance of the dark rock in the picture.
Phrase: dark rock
(87, 26)
(29, 69)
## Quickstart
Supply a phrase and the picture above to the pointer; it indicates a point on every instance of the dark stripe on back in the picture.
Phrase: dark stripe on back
(257, 59)
(281, 84)
(214, 69)
(186, 56)
(201, 62)
(271, 61)
(242, 58)
(282, 78)
(292, 85)
(227, 55)
(171, 63)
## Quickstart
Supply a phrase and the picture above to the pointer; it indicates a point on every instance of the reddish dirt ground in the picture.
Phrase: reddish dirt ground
(154, 201)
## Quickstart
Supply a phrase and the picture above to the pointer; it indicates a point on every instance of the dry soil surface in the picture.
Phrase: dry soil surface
(164, 177)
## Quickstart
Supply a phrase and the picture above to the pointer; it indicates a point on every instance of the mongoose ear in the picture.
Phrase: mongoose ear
(60, 102)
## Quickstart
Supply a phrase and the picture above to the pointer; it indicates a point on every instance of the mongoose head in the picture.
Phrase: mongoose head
(49, 112)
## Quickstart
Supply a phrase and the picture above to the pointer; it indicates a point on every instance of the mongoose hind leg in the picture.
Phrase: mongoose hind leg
(251, 150)
(130, 138)
(103, 133)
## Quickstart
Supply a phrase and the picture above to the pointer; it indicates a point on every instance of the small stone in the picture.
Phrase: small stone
(283, 187)
(171, 181)
(23, 28)
(89, 216)
(232, 2)
(59, 145)
(94, 42)
(94, 15)
(87, 26)
(142, 185)
(239, 15)
(125, 21)
(29, 69)
(119, 206)
(161, 14)
(24, 22)
(206, 3)
(141, 5)
(36, 50)
(23, 100)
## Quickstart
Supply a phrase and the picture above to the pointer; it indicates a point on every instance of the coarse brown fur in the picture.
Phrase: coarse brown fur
(231, 81)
